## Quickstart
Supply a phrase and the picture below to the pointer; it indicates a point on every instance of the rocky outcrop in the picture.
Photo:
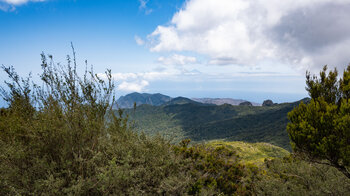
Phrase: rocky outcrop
(246, 103)
(268, 103)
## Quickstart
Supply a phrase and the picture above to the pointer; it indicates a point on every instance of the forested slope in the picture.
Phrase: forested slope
(200, 122)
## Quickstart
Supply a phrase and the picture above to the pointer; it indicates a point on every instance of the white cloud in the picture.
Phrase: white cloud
(161, 76)
(19, 2)
(143, 6)
(136, 86)
(139, 41)
(10, 5)
(137, 82)
(177, 59)
(301, 33)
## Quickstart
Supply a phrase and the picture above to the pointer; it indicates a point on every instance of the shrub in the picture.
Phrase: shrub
(63, 138)
(294, 176)
(320, 130)
(216, 170)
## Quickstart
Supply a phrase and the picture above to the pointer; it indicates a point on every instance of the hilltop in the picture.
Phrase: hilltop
(253, 153)
(128, 100)
(180, 101)
(158, 99)
(221, 101)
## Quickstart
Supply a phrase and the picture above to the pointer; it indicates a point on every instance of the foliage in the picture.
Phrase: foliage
(246, 103)
(63, 138)
(320, 131)
(293, 176)
(56, 139)
(216, 170)
(201, 122)
(251, 153)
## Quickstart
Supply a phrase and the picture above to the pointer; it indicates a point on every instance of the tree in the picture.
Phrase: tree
(320, 130)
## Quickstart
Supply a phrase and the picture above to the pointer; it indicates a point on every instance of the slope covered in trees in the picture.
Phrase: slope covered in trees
(201, 122)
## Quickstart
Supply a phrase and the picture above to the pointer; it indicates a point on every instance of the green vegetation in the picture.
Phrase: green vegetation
(55, 140)
(246, 103)
(320, 131)
(252, 153)
(217, 170)
(63, 138)
(293, 176)
(282, 173)
(201, 122)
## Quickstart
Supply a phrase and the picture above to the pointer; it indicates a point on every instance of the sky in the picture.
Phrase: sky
(244, 49)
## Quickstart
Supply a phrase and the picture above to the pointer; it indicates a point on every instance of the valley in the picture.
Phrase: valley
(182, 118)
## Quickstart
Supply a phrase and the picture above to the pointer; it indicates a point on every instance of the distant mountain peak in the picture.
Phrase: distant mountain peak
(128, 100)
(221, 101)
(158, 99)
(181, 100)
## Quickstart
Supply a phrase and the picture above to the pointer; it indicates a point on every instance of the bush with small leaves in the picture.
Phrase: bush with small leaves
(320, 130)
(63, 138)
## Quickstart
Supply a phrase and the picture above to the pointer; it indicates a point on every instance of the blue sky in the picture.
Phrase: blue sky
(247, 49)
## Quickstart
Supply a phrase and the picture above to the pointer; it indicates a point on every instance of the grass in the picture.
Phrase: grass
(252, 153)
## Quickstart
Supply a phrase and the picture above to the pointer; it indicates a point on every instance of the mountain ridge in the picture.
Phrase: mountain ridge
(157, 99)
(221, 101)
(201, 122)
(128, 100)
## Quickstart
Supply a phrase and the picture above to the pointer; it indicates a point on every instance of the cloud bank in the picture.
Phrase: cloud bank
(133, 86)
(304, 34)
(138, 82)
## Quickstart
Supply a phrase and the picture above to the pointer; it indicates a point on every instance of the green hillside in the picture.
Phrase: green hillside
(254, 153)
(201, 122)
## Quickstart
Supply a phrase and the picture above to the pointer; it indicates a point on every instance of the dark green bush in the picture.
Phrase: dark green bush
(320, 130)
(216, 170)
(294, 176)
